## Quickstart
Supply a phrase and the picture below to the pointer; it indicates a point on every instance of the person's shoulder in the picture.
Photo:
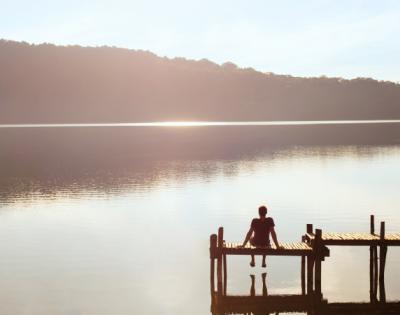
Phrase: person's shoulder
(271, 220)
(254, 221)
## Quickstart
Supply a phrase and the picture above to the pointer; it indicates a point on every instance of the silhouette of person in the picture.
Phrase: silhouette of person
(262, 227)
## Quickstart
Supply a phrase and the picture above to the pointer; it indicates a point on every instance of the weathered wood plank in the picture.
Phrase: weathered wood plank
(287, 249)
(357, 239)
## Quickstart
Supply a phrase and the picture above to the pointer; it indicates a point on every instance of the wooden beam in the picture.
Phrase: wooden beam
(266, 251)
(371, 263)
(219, 261)
(225, 273)
(382, 263)
(376, 273)
(303, 271)
(310, 274)
(309, 229)
(318, 258)
(372, 224)
(213, 249)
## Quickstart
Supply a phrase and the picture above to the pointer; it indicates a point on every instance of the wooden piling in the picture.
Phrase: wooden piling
(219, 261)
(376, 273)
(310, 274)
(318, 260)
(225, 273)
(213, 250)
(382, 263)
(303, 271)
(372, 264)
(310, 265)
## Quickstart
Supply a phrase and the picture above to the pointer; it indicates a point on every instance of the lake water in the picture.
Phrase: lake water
(92, 224)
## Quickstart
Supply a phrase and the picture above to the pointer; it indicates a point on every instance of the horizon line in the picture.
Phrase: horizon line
(205, 123)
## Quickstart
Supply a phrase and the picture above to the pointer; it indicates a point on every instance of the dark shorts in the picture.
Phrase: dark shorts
(258, 244)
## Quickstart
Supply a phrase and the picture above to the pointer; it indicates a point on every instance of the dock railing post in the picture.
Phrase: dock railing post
(219, 261)
(303, 271)
(318, 259)
(225, 275)
(382, 263)
(310, 266)
(213, 252)
(309, 229)
(373, 268)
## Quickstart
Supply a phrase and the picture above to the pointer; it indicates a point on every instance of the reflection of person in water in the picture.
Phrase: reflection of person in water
(264, 285)
(261, 227)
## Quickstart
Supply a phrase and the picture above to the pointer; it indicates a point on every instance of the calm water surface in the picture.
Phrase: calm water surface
(134, 240)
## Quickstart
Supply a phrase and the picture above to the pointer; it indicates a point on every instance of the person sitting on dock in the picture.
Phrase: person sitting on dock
(262, 227)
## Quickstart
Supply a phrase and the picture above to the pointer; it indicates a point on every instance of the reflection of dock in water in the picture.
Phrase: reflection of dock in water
(312, 250)
(275, 304)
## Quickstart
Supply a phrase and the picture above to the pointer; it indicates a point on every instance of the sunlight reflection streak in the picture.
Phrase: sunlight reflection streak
(206, 123)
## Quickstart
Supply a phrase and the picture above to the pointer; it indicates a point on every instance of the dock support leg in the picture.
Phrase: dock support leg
(373, 272)
(372, 265)
(318, 260)
(376, 272)
(225, 273)
(310, 274)
(303, 275)
(310, 265)
(213, 252)
(303, 270)
(382, 263)
(382, 291)
(219, 261)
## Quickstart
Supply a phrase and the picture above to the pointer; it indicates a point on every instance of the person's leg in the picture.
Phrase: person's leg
(264, 264)
(252, 262)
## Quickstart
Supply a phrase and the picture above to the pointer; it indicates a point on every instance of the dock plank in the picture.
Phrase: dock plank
(286, 249)
(357, 239)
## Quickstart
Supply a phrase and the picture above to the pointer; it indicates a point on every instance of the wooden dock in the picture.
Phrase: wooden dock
(313, 249)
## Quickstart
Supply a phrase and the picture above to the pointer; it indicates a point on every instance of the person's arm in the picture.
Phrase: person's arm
(248, 235)
(274, 237)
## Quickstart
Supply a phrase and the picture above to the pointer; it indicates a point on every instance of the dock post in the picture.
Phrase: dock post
(318, 260)
(303, 271)
(372, 265)
(376, 272)
(225, 273)
(382, 263)
(310, 274)
(219, 261)
(213, 251)
(309, 228)
(310, 266)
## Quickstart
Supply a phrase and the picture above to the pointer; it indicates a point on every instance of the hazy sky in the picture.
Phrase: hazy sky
(343, 38)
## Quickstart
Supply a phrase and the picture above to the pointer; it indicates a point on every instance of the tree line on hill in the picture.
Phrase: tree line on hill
(65, 84)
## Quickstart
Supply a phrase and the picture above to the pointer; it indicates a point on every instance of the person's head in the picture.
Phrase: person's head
(262, 211)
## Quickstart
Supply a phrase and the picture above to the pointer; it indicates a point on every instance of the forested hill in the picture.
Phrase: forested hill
(53, 84)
